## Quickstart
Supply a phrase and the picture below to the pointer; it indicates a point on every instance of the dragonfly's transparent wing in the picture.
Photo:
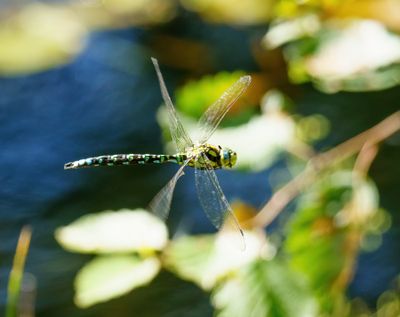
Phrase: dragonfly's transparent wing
(212, 198)
(178, 133)
(210, 120)
(161, 203)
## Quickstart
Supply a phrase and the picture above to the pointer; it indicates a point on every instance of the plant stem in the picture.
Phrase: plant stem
(17, 272)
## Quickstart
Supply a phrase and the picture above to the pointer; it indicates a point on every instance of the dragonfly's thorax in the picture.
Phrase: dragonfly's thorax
(204, 155)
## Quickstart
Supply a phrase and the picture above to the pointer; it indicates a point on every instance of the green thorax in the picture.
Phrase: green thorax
(206, 155)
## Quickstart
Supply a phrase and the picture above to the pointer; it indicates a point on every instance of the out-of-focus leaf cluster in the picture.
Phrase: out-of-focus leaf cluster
(307, 275)
(337, 218)
(39, 36)
(338, 45)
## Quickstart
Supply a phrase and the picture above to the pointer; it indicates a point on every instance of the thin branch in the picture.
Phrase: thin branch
(365, 158)
(352, 211)
(320, 162)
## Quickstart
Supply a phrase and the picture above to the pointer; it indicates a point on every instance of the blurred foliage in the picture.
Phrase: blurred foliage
(113, 235)
(352, 55)
(264, 289)
(338, 45)
(334, 217)
(207, 259)
(384, 11)
(323, 40)
(30, 40)
(110, 231)
(232, 11)
(196, 96)
(106, 277)
(40, 36)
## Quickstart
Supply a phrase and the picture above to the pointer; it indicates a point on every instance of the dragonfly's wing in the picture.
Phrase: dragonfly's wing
(210, 120)
(212, 198)
(161, 203)
(178, 133)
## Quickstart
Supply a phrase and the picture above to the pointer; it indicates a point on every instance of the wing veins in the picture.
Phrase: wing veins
(160, 205)
(212, 117)
(208, 176)
(178, 133)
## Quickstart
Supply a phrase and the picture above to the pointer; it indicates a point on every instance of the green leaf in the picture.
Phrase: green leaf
(314, 241)
(189, 257)
(107, 277)
(114, 231)
(264, 288)
(196, 96)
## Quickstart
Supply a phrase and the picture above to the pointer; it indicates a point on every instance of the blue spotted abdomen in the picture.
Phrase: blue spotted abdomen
(124, 159)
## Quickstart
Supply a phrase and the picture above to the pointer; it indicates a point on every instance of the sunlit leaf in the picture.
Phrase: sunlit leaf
(277, 131)
(107, 277)
(360, 48)
(283, 32)
(114, 231)
(264, 288)
(207, 259)
(39, 37)
(350, 55)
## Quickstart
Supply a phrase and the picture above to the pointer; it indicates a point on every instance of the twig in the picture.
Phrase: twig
(355, 234)
(364, 159)
(288, 192)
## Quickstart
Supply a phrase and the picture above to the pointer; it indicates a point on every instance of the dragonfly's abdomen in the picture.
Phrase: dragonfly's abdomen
(124, 159)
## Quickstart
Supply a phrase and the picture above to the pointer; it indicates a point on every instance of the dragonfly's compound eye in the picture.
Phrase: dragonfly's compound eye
(228, 158)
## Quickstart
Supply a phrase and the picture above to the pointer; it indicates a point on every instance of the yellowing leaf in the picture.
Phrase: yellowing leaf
(108, 277)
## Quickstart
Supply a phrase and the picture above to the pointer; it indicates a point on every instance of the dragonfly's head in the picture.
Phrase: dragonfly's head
(228, 157)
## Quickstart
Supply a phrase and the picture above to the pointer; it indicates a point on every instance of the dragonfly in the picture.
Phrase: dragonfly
(203, 157)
